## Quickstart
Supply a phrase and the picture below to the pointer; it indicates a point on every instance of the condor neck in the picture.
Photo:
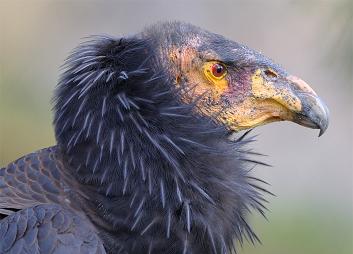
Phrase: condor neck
(132, 143)
(145, 144)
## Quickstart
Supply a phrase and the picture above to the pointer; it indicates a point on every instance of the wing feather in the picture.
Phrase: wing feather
(32, 180)
(49, 229)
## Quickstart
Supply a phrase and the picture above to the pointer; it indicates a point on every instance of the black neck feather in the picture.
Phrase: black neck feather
(136, 147)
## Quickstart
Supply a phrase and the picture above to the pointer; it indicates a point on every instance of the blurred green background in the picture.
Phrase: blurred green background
(311, 177)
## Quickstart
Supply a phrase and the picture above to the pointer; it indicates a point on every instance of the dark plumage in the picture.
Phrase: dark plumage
(143, 161)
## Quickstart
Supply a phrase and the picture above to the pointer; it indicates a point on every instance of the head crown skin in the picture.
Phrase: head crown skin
(143, 126)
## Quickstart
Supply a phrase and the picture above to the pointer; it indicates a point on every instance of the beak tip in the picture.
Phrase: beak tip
(315, 114)
(324, 122)
(323, 125)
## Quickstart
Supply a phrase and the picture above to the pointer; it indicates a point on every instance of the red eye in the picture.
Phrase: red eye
(218, 70)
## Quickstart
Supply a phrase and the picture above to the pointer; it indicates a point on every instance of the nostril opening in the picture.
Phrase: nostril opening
(270, 73)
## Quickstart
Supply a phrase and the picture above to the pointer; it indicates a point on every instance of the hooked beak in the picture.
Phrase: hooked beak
(288, 98)
(314, 112)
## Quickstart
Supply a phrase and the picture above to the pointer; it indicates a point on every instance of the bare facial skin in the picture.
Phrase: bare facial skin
(243, 97)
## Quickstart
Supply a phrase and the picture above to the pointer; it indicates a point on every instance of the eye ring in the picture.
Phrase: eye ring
(218, 70)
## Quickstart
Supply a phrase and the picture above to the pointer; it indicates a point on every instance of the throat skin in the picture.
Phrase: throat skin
(153, 173)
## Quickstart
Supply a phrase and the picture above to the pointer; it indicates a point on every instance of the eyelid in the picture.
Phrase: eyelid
(225, 64)
(207, 70)
(215, 61)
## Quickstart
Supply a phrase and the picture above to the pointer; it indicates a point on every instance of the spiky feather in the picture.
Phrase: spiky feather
(162, 171)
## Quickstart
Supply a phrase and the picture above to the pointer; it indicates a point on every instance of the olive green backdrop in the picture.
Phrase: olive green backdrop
(312, 177)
